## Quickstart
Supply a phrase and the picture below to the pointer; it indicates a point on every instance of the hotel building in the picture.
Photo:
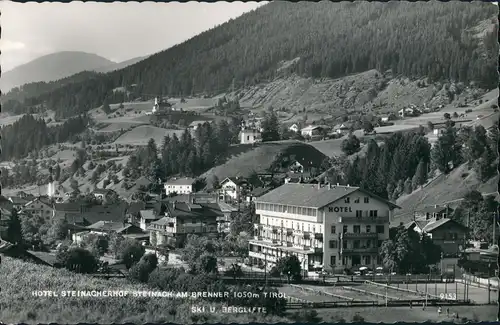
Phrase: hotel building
(329, 227)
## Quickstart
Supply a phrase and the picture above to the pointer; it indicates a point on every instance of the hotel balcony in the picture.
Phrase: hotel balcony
(297, 232)
(356, 235)
(317, 250)
(257, 237)
(263, 256)
(289, 231)
(306, 235)
(364, 220)
(318, 236)
(365, 250)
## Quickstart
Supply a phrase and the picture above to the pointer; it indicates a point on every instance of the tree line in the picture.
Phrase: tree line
(34, 135)
(403, 162)
(436, 40)
(190, 154)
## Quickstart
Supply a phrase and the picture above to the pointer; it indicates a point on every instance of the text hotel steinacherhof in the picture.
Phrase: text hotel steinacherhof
(329, 227)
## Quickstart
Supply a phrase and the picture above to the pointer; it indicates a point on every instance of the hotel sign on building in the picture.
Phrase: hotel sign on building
(329, 227)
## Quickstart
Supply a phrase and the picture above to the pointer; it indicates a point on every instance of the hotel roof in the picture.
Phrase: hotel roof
(312, 196)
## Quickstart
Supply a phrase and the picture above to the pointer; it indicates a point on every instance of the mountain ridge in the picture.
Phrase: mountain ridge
(415, 40)
(48, 68)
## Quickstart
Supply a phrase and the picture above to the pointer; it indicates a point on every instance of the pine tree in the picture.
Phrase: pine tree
(420, 177)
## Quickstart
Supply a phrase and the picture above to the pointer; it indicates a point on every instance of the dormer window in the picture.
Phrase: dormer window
(347, 200)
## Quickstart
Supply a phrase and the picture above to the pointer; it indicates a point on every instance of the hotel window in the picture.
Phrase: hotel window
(373, 213)
(368, 260)
(380, 229)
(368, 228)
(281, 223)
(357, 229)
(367, 199)
(368, 244)
(333, 260)
(333, 229)
(344, 229)
(330, 209)
(333, 244)
(344, 244)
(356, 244)
(359, 213)
(344, 260)
(356, 200)
(294, 209)
(299, 210)
(347, 200)
(314, 230)
(302, 226)
(379, 243)
(308, 227)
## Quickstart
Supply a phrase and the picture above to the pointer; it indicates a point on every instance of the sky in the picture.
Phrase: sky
(117, 31)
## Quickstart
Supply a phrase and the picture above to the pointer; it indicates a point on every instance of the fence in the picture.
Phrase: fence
(390, 303)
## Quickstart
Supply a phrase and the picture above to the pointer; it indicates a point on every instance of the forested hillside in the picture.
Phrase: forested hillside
(437, 40)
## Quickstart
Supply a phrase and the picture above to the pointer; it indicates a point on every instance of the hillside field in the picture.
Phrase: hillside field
(17, 304)
(140, 135)
(444, 189)
(245, 159)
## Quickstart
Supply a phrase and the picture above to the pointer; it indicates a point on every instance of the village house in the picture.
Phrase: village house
(313, 130)
(257, 192)
(408, 111)
(102, 194)
(233, 188)
(294, 128)
(146, 217)
(384, 119)
(249, 136)
(437, 212)
(40, 206)
(182, 219)
(81, 213)
(106, 228)
(343, 128)
(193, 126)
(447, 233)
(179, 185)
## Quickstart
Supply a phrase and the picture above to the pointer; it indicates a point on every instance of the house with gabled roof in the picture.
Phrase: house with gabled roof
(40, 206)
(447, 233)
(232, 188)
(182, 219)
(183, 185)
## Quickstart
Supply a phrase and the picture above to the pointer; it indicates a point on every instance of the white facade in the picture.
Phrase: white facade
(250, 136)
(294, 128)
(346, 233)
(179, 186)
(310, 131)
(230, 189)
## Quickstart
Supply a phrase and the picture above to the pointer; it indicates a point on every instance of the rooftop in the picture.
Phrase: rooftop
(180, 181)
(313, 196)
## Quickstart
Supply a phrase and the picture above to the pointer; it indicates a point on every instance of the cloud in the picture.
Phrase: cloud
(8, 45)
